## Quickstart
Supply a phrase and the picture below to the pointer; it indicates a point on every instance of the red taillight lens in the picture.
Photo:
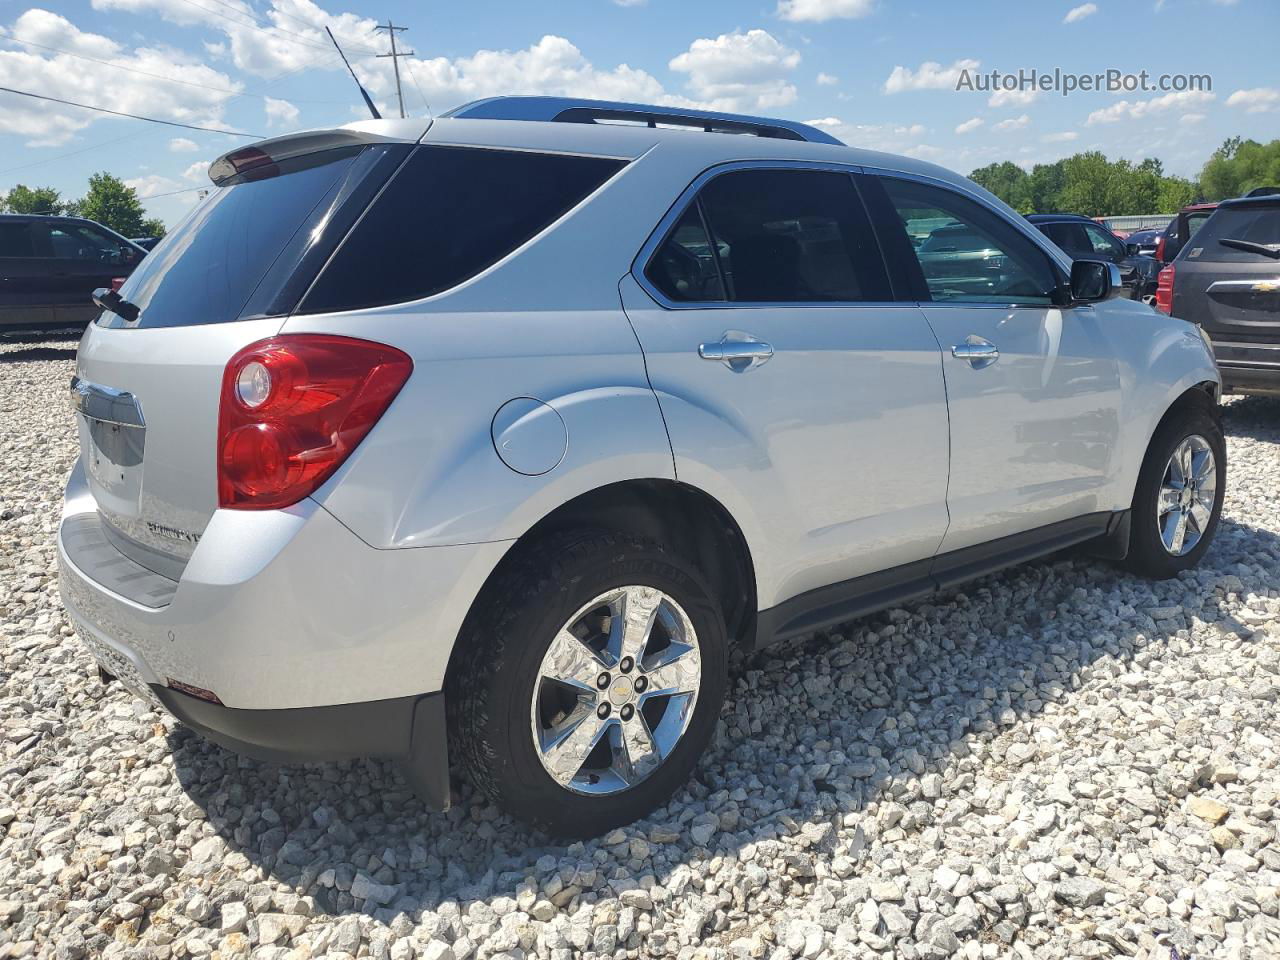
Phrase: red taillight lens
(293, 408)
(1160, 246)
(1164, 290)
(117, 283)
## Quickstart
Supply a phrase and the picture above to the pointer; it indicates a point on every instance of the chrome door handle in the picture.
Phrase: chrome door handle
(739, 352)
(978, 352)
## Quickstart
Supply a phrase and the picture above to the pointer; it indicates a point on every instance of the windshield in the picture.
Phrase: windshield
(1254, 224)
(207, 269)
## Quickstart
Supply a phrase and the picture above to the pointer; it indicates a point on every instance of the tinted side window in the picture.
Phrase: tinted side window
(1069, 236)
(788, 236)
(449, 213)
(74, 241)
(1003, 266)
(1101, 242)
(15, 240)
(685, 268)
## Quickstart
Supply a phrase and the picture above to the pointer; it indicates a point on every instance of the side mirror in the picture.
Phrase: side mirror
(1094, 280)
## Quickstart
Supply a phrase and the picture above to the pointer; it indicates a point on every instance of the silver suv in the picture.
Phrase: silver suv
(487, 439)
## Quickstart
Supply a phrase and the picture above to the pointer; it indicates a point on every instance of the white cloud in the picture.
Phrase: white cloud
(970, 125)
(198, 172)
(1257, 100)
(1013, 123)
(58, 75)
(152, 184)
(1066, 136)
(1188, 119)
(552, 66)
(1079, 13)
(1137, 109)
(827, 80)
(739, 71)
(930, 75)
(280, 113)
(1013, 98)
(182, 145)
(888, 137)
(630, 3)
(817, 11)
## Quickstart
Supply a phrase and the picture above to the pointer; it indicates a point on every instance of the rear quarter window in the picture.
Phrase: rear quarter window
(448, 214)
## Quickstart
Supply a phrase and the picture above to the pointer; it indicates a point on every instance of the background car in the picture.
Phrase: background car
(1085, 239)
(1143, 242)
(1228, 281)
(50, 266)
(146, 243)
(1181, 229)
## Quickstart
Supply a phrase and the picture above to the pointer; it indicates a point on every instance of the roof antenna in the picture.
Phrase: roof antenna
(372, 109)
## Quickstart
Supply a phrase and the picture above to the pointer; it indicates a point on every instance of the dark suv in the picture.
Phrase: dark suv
(1085, 239)
(1227, 279)
(50, 266)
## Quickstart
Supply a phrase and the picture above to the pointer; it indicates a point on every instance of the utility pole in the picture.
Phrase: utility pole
(392, 30)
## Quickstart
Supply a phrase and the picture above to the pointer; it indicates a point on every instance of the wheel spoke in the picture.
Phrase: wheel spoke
(637, 754)
(571, 661)
(634, 622)
(677, 671)
(1202, 466)
(1184, 460)
(1175, 530)
(569, 744)
(1200, 514)
(1168, 500)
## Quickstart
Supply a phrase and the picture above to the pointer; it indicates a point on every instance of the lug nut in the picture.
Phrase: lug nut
(641, 683)
(626, 664)
(602, 681)
(602, 711)
(627, 712)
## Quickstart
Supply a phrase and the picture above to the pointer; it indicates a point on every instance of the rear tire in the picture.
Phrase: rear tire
(1157, 549)
(580, 757)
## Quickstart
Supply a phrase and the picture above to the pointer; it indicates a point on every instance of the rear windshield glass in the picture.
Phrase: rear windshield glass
(1255, 224)
(206, 270)
(449, 213)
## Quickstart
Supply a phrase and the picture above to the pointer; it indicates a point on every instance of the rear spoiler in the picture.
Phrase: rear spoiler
(244, 159)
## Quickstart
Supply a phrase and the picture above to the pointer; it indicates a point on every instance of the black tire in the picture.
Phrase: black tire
(1147, 555)
(501, 647)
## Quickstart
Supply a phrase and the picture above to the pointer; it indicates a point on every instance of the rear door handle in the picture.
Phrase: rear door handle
(738, 352)
(978, 352)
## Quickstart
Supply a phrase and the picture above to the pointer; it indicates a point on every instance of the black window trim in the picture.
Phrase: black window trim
(1061, 269)
(691, 195)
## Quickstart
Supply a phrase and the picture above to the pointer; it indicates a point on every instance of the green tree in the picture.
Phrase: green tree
(1008, 181)
(1238, 166)
(153, 227)
(24, 199)
(113, 204)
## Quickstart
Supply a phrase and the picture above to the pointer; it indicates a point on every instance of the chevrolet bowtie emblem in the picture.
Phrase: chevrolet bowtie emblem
(1266, 286)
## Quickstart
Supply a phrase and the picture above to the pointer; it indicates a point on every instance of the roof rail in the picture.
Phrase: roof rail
(572, 110)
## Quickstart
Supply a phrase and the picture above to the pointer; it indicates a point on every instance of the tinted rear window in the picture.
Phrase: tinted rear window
(1255, 224)
(449, 213)
(213, 261)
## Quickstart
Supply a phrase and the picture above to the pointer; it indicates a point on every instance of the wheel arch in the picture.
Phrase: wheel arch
(678, 515)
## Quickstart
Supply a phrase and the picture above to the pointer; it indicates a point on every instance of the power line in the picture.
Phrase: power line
(248, 20)
(132, 116)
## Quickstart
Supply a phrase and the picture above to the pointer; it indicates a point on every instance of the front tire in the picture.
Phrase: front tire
(1177, 505)
(591, 677)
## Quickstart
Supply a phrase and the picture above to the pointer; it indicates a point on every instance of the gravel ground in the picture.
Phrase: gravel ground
(1059, 761)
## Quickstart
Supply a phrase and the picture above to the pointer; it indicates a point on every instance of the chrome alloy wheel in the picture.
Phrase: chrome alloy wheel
(1184, 506)
(615, 691)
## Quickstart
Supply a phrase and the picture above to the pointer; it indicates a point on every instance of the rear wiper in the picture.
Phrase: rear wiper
(1251, 247)
(112, 302)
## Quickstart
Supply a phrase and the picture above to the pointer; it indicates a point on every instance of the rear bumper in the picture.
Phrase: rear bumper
(409, 730)
(1249, 367)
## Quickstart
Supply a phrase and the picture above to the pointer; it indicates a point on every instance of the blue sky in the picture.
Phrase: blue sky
(877, 73)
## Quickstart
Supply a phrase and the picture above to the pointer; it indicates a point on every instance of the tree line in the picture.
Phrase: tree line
(1091, 184)
(109, 201)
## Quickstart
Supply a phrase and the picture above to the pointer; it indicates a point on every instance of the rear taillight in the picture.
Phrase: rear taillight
(117, 283)
(1164, 290)
(1160, 245)
(293, 408)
